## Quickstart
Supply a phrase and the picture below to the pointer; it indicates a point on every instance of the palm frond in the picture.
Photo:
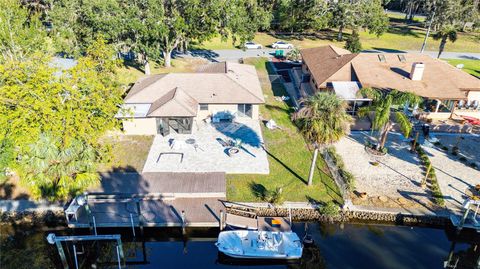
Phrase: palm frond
(374, 94)
(404, 122)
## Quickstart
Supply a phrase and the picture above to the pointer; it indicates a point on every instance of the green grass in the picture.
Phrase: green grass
(128, 153)
(470, 66)
(399, 37)
(289, 157)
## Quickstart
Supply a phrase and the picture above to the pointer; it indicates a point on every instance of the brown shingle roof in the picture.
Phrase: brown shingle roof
(324, 62)
(440, 80)
(238, 85)
(175, 103)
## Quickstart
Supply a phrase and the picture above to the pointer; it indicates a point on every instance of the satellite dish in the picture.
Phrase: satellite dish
(460, 66)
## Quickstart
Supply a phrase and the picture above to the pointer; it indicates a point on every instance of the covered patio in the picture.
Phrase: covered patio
(349, 91)
(231, 147)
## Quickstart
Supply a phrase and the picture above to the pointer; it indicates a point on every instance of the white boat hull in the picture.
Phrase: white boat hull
(245, 244)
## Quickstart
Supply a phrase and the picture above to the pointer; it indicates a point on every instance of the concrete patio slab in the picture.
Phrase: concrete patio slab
(207, 152)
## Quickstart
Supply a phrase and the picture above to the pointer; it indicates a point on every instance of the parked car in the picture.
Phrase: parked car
(252, 45)
(282, 45)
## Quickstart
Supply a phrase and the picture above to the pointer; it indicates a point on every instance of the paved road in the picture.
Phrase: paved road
(236, 54)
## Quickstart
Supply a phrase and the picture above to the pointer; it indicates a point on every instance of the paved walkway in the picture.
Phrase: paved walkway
(210, 155)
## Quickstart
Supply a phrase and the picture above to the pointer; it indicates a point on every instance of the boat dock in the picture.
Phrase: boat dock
(151, 200)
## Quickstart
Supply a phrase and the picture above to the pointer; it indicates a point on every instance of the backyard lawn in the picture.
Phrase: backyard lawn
(129, 153)
(400, 36)
(288, 156)
(469, 66)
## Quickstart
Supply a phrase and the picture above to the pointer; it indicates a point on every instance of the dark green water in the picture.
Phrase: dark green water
(336, 246)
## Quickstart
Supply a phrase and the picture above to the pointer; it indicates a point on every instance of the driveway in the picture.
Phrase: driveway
(207, 151)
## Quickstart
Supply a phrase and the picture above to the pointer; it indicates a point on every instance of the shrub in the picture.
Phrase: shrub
(275, 197)
(349, 180)
(329, 209)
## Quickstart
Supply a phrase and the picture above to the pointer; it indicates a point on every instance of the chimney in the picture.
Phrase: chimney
(417, 71)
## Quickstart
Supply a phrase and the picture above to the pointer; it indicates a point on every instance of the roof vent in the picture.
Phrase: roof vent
(381, 57)
(417, 71)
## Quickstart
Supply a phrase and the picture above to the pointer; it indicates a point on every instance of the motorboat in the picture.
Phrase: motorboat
(248, 244)
(470, 218)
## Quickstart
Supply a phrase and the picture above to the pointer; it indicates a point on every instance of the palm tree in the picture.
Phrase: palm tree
(322, 120)
(52, 170)
(382, 102)
(447, 33)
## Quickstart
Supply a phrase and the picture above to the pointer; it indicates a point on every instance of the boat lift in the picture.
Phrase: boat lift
(470, 218)
(57, 240)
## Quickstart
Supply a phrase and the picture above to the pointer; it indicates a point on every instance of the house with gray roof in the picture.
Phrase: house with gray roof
(162, 103)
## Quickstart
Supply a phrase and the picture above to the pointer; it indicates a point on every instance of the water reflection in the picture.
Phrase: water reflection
(336, 246)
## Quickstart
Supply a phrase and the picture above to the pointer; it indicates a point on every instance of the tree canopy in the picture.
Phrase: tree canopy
(40, 104)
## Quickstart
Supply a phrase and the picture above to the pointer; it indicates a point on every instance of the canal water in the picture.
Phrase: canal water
(341, 246)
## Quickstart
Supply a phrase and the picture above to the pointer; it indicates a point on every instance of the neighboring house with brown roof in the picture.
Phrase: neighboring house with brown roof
(331, 68)
(160, 103)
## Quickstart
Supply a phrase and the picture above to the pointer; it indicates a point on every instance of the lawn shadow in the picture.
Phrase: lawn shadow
(258, 190)
(8, 189)
(286, 167)
(133, 64)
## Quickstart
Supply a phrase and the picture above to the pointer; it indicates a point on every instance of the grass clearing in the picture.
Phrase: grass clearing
(129, 153)
(399, 37)
(288, 156)
(470, 66)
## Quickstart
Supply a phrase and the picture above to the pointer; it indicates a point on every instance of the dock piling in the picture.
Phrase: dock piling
(75, 255)
(133, 226)
(183, 222)
(222, 220)
(94, 225)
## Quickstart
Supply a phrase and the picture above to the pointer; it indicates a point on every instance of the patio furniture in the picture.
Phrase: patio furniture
(190, 141)
(233, 151)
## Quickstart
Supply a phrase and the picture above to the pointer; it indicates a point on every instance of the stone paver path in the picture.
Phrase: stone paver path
(394, 182)
(210, 155)
(454, 177)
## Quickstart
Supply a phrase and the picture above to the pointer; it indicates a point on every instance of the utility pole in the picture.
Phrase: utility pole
(428, 33)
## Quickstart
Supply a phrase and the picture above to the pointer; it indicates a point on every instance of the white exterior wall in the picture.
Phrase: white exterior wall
(474, 95)
(140, 126)
(213, 108)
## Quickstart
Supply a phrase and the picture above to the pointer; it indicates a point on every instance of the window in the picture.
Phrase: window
(245, 110)
(203, 106)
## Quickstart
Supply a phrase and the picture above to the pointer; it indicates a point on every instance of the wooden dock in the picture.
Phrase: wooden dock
(151, 200)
